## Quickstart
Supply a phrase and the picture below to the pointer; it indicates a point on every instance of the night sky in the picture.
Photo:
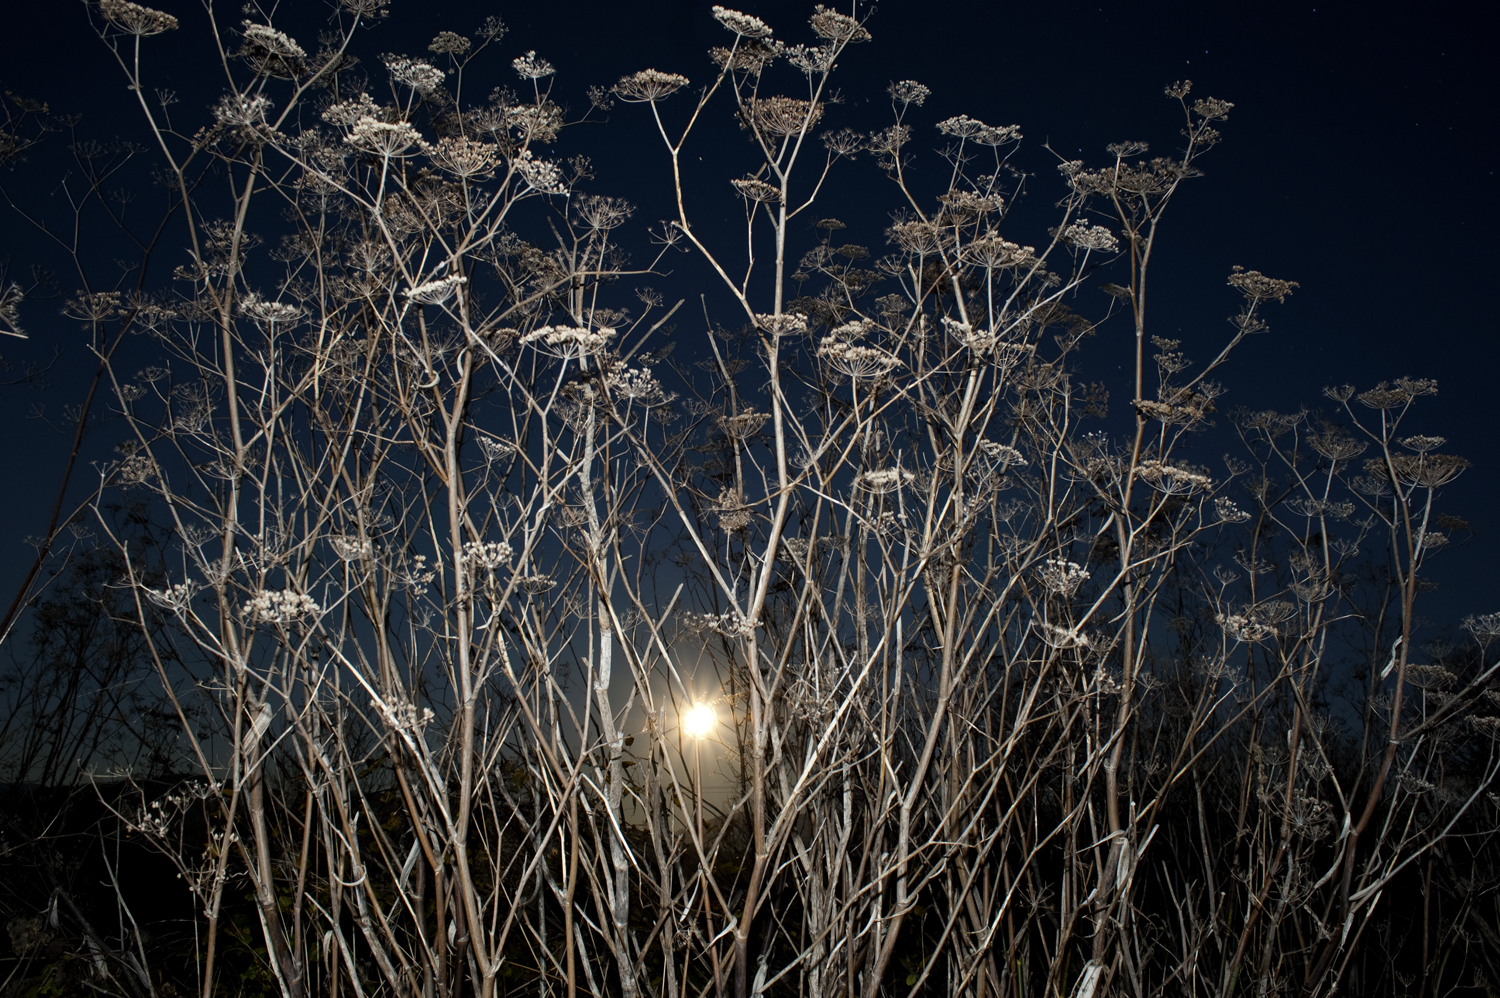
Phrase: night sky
(1359, 160)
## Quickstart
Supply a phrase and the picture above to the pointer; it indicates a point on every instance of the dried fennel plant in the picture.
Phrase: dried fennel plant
(449, 546)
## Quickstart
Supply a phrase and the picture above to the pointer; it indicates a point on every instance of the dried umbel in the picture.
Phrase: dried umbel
(487, 555)
(1173, 479)
(883, 480)
(786, 324)
(757, 190)
(1393, 396)
(494, 449)
(1426, 470)
(1258, 287)
(730, 625)
(648, 85)
(1062, 577)
(388, 139)
(1245, 628)
(134, 19)
(734, 513)
(1483, 626)
(1092, 238)
(280, 606)
(176, 598)
(745, 425)
(465, 157)
(270, 312)
(602, 213)
(567, 342)
(1227, 512)
(841, 29)
(973, 130)
(423, 77)
(743, 25)
(351, 547)
(271, 52)
(1183, 407)
(535, 585)
(859, 363)
(1063, 638)
(1336, 446)
(540, 175)
(532, 67)
(450, 43)
(436, 292)
(779, 116)
(909, 92)
(993, 252)
(637, 385)
(980, 342)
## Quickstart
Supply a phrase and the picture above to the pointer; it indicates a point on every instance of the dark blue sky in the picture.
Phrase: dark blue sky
(1359, 160)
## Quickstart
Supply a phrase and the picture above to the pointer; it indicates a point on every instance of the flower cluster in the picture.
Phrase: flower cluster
(979, 342)
(1320, 507)
(786, 324)
(531, 66)
(993, 252)
(1063, 637)
(1258, 287)
(450, 43)
(909, 92)
(731, 625)
(134, 19)
(542, 175)
(351, 547)
(436, 292)
(779, 116)
(811, 59)
(745, 425)
(1087, 236)
(404, 716)
(271, 51)
(280, 606)
(242, 111)
(269, 312)
(96, 306)
(860, 363)
(1483, 626)
(1002, 454)
(423, 77)
(649, 85)
(733, 513)
(961, 206)
(137, 469)
(837, 28)
(1173, 479)
(1228, 512)
(1245, 627)
(489, 555)
(964, 127)
(383, 138)
(637, 385)
(568, 343)
(174, 597)
(883, 480)
(743, 25)
(465, 157)
(535, 585)
(757, 190)
(416, 576)
(1062, 577)
(494, 449)
(347, 113)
